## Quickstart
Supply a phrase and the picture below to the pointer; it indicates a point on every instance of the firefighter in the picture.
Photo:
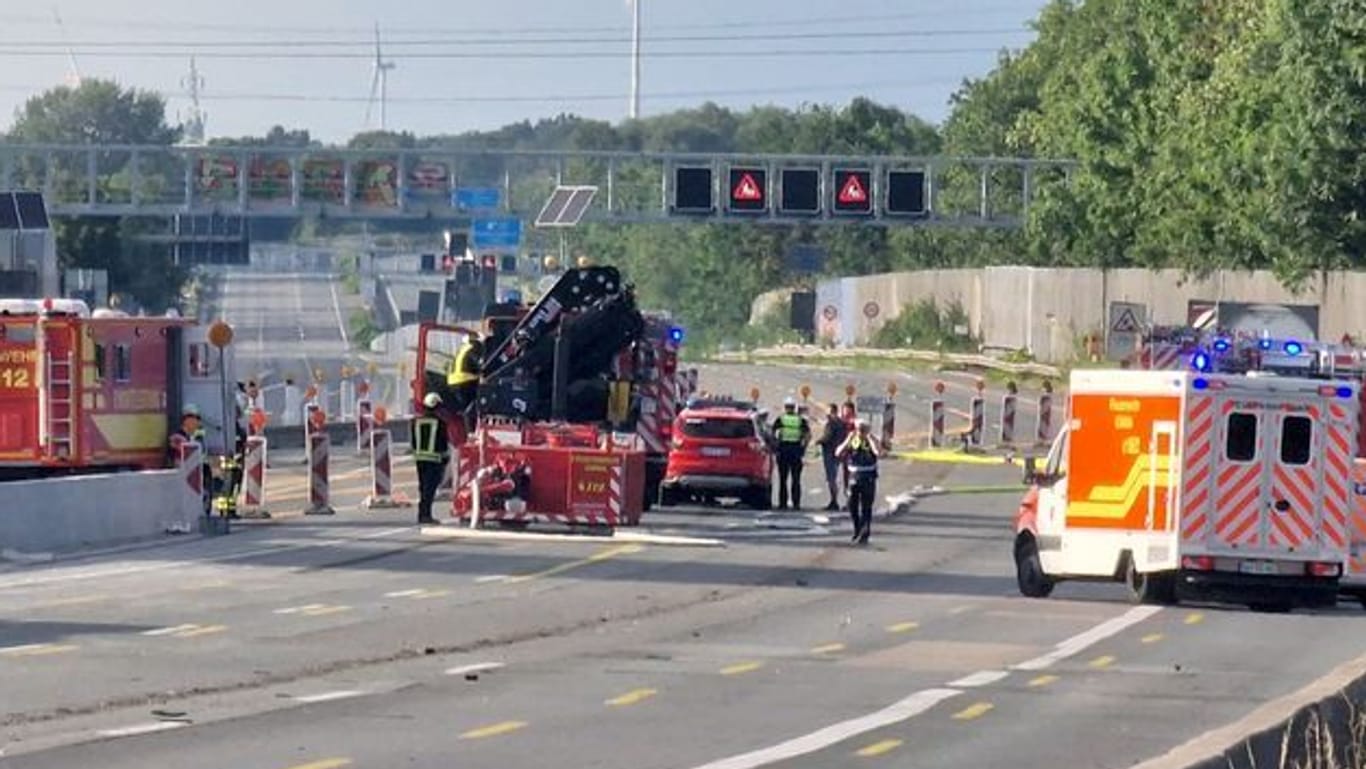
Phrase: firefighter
(794, 434)
(832, 437)
(861, 453)
(463, 377)
(431, 451)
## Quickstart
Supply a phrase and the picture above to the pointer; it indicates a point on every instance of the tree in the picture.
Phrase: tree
(101, 112)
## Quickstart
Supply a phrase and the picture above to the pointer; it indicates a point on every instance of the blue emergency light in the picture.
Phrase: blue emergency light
(1200, 361)
(676, 334)
(1222, 345)
(1344, 392)
(1200, 383)
(1293, 348)
(1264, 343)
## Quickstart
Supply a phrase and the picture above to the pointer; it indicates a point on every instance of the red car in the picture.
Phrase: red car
(720, 449)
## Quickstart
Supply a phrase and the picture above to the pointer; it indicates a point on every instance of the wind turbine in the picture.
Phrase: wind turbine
(379, 86)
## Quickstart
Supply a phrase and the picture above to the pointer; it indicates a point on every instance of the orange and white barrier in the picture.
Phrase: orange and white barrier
(365, 424)
(254, 478)
(1045, 423)
(319, 496)
(888, 423)
(1008, 419)
(190, 460)
(382, 496)
(937, 417)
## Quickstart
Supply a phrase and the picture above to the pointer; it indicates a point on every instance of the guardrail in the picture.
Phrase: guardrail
(966, 360)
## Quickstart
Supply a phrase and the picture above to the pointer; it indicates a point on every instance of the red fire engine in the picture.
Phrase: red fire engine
(575, 405)
(102, 392)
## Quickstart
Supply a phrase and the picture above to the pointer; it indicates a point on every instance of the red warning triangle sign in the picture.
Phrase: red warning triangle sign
(747, 190)
(853, 191)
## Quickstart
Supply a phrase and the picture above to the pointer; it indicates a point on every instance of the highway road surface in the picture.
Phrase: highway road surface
(286, 325)
(320, 643)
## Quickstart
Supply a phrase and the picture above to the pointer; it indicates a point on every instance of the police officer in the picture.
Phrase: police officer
(431, 451)
(861, 453)
(463, 377)
(794, 434)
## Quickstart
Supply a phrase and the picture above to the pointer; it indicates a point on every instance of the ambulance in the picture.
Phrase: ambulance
(1231, 481)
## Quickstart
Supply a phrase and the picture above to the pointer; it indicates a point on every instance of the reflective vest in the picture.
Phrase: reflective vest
(862, 460)
(425, 431)
(460, 372)
(790, 428)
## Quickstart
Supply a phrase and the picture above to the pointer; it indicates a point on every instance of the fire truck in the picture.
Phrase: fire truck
(575, 405)
(88, 392)
(1233, 471)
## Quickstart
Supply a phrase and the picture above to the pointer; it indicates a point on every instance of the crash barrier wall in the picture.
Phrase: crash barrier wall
(63, 514)
(1048, 310)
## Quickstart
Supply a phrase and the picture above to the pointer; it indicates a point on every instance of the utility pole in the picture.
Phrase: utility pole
(194, 124)
(635, 59)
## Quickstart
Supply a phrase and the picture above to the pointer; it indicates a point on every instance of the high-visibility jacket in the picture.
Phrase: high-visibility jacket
(791, 428)
(465, 367)
(429, 440)
(862, 459)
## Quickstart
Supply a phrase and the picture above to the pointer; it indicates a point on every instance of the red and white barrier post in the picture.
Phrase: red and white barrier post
(382, 495)
(190, 460)
(888, 423)
(254, 478)
(319, 497)
(1044, 434)
(937, 417)
(1008, 403)
(977, 426)
(365, 424)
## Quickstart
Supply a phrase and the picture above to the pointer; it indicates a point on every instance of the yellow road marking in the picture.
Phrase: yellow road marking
(1044, 680)
(326, 763)
(632, 697)
(828, 648)
(973, 711)
(611, 552)
(903, 627)
(1152, 638)
(1194, 618)
(741, 668)
(493, 730)
(37, 650)
(322, 611)
(1102, 662)
(195, 632)
(878, 748)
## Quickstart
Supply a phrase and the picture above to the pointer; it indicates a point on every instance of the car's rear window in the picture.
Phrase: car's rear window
(718, 427)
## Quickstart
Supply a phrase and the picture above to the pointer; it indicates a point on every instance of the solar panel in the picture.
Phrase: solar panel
(9, 215)
(32, 210)
(550, 212)
(577, 206)
(566, 206)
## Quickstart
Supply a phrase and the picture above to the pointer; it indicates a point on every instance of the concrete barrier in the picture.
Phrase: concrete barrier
(73, 513)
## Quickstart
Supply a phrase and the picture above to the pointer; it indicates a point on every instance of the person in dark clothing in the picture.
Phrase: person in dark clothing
(431, 452)
(794, 435)
(861, 452)
(831, 438)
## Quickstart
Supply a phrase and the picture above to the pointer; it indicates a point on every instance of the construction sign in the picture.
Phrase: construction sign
(747, 189)
(853, 191)
(1125, 329)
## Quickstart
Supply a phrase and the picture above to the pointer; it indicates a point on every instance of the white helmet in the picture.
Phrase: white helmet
(432, 400)
(789, 401)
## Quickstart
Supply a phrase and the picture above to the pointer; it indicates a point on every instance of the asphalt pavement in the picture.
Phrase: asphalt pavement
(354, 640)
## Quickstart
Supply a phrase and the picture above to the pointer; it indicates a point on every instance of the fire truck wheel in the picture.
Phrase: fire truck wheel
(1150, 588)
(1029, 574)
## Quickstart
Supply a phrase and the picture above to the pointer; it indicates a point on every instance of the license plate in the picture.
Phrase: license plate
(715, 451)
(1257, 567)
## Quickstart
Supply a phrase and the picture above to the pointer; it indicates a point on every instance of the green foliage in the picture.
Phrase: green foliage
(925, 326)
(362, 327)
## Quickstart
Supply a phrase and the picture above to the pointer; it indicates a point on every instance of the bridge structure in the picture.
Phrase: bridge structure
(454, 185)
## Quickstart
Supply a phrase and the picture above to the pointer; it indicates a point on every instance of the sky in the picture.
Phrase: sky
(466, 64)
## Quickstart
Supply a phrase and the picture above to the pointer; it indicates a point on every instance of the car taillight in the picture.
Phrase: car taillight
(757, 446)
(1198, 563)
(1323, 569)
(678, 442)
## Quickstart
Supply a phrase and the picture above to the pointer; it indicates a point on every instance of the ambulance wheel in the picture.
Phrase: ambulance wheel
(1150, 588)
(1029, 574)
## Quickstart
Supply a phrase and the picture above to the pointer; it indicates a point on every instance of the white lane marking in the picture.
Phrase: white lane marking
(329, 696)
(1095, 635)
(298, 609)
(478, 667)
(122, 571)
(130, 731)
(336, 308)
(818, 740)
(405, 593)
(169, 630)
(980, 678)
(491, 578)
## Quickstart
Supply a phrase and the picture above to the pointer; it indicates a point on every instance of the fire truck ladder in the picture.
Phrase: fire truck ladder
(55, 399)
